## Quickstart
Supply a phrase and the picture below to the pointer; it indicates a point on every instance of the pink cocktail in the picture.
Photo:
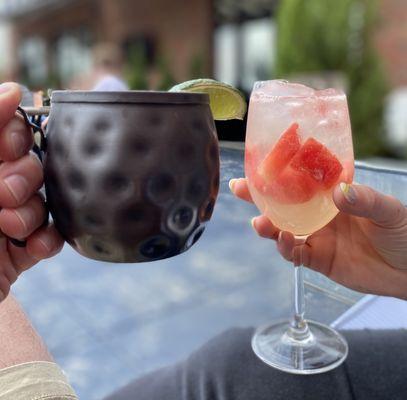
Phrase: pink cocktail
(298, 148)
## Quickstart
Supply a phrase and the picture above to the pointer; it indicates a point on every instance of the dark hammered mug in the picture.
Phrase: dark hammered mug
(130, 176)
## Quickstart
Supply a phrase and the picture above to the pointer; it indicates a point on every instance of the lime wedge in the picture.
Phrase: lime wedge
(226, 102)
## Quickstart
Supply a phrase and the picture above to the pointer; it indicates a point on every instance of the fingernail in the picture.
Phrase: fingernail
(26, 216)
(253, 222)
(348, 192)
(18, 187)
(232, 184)
(48, 243)
(5, 87)
(280, 237)
(18, 144)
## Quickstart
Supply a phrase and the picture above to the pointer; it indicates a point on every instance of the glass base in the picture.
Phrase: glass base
(319, 350)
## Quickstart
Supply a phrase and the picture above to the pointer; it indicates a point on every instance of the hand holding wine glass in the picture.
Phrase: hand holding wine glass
(363, 247)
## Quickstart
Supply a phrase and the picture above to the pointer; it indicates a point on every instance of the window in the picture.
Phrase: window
(72, 56)
(225, 56)
(33, 55)
(244, 52)
(258, 55)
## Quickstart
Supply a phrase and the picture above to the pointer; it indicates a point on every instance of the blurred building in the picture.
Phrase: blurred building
(231, 39)
(52, 38)
(391, 40)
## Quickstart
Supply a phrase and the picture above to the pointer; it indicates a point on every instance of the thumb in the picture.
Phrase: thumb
(363, 201)
(10, 97)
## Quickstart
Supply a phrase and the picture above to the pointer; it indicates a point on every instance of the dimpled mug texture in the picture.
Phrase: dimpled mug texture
(131, 176)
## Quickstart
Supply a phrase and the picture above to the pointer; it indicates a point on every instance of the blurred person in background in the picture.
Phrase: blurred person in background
(107, 70)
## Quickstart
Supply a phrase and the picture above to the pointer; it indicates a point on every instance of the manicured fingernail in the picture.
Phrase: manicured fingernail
(253, 222)
(18, 144)
(17, 186)
(348, 192)
(232, 183)
(5, 87)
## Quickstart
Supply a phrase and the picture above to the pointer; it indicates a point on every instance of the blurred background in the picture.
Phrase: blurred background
(358, 45)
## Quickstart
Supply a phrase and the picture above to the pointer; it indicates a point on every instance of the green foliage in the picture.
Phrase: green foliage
(196, 68)
(167, 80)
(137, 69)
(319, 36)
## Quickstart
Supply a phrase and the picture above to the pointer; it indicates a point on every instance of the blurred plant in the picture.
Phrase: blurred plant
(319, 35)
(196, 68)
(51, 82)
(167, 79)
(136, 70)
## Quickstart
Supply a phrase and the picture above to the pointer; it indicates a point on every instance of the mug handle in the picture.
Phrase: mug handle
(25, 113)
(38, 150)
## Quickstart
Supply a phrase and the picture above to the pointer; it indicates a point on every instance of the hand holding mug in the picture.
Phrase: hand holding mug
(22, 207)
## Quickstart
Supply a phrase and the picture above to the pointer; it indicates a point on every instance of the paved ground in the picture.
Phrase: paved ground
(106, 324)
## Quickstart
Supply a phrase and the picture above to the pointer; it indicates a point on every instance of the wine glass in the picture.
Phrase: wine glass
(298, 148)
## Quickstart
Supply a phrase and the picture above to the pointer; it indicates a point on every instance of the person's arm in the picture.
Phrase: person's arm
(19, 342)
(22, 214)
(26, 367)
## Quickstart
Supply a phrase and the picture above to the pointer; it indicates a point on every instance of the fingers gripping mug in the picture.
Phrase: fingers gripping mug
(130, 176)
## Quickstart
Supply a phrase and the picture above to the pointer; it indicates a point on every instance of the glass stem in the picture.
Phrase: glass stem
(299, 301)
(299, 327)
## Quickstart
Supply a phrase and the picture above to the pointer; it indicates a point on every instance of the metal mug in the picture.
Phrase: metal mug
(130, 176)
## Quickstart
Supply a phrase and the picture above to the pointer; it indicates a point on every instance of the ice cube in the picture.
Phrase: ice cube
(281, 88)
(329, 93)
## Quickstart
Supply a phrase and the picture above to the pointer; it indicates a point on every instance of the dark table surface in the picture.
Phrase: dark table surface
(106, 324)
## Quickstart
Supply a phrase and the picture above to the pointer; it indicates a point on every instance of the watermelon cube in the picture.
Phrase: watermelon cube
(292, 173)
(281, 153)
(251, 160)
(316, 160)
(292, 187)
